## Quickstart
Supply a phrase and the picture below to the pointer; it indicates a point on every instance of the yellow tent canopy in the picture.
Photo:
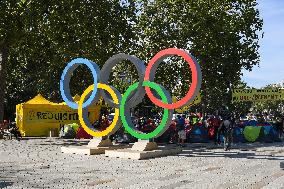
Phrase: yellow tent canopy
(38, 99)
(38, 116)
(100, 102)
(76, 98)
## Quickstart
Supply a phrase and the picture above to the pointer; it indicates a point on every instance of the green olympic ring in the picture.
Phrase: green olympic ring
(134, 132)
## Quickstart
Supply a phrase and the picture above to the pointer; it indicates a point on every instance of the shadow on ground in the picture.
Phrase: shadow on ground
(64, 142)
(247, 151)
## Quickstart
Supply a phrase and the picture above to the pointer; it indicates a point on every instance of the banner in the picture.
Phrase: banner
(51, 116)
(197, 100)
(243, 95)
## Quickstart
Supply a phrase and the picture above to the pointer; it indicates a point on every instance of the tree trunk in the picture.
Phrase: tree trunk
(3, 75)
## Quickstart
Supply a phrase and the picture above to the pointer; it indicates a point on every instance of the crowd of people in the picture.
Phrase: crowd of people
(183, 124)
(180, 127)
(217, 127)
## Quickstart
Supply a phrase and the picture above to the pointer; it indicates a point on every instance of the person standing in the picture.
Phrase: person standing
(279, 127)
(227, 129)
(172, 132)
(181, 130)
(216, 122)
(282, 130)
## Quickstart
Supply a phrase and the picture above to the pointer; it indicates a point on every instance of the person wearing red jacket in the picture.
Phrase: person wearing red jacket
(214, 124)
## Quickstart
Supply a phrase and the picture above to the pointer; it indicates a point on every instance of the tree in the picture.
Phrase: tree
(240, 108)
(13, 17)
(270, 107)
(38, 38)
(53, 33)
(222, 35)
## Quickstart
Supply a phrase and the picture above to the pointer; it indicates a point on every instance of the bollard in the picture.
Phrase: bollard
(53, 133)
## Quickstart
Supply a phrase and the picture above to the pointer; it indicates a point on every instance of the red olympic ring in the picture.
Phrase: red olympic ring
(195, 86)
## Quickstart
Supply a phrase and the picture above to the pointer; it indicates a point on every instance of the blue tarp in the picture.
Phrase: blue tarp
(238, 135)
(198, 134)
(250, 123)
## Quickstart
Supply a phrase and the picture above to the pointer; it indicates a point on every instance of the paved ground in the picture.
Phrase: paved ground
(38, 163)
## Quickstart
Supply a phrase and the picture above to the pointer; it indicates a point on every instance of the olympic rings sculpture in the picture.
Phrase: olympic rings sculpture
(133, 95)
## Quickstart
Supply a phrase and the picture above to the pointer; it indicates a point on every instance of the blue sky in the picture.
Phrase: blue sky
(270, 69)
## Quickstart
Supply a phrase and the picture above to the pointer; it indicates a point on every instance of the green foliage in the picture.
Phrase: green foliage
(271, 107)
(223, 35)
(42, 36)
(47, 34)
(241, 108)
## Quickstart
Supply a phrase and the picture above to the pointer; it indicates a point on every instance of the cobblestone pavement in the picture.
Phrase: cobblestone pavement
(38, 163)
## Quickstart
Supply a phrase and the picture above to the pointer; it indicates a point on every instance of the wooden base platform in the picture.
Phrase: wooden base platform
(89, 150)
(138, 155)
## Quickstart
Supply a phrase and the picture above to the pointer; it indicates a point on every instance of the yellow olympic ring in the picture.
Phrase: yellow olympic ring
(80, 111)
